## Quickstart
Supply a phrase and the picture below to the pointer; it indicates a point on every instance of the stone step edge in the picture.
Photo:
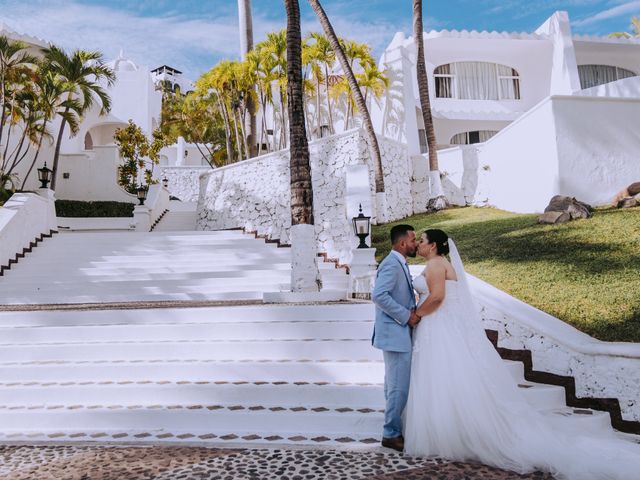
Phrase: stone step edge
(154, 361)
(139, 305)
(609, 405)
(180, 341)
(118, 436)
(26, 250)
(235, 407)
(259, 383)
(324, 255)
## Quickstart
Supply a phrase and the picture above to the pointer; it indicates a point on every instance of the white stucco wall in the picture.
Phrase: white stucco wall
(24, 217)
(598, 142)
(92, 176)
(255, 194)
(518, 168)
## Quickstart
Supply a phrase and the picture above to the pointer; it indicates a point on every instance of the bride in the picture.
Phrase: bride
(464, 404)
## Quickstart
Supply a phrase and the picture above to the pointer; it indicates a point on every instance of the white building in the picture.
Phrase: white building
(571, 103)
(88, 161)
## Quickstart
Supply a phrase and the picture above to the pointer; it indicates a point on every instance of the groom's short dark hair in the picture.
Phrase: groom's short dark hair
(400, 231)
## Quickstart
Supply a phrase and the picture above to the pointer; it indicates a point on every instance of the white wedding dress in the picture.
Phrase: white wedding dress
(465, 405)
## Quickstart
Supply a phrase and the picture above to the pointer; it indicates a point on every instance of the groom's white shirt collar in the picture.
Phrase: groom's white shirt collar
(400, 256)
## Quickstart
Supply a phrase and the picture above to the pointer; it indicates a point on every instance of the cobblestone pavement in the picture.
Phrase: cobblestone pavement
(199, 463)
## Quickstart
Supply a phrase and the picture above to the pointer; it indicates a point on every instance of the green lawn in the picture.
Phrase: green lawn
(585, 272)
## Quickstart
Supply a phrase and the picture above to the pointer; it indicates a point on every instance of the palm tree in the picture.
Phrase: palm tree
(437, 200)
(304, 274)
(15, 66)
(353, 84)
(246, 45)
(635, 27)
(325, 57)
(82, 72)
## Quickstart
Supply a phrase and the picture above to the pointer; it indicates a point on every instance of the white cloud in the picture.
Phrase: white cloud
(190, 44)
(617, 11)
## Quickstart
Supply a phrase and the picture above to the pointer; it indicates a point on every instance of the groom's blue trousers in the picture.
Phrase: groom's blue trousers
(397, 372)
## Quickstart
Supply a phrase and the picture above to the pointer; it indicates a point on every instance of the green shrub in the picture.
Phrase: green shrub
(76, 208)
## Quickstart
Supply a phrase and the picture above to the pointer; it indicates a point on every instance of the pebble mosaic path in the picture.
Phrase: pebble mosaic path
(200, 463)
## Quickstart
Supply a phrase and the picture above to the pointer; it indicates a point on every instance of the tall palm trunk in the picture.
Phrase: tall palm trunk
(348, 71)
(304, 272)
(437, 200)
(35, 158)
(227, 129)
(244, 136)
(246, 45)
(238, 141)
(56, 155)
(326, 87)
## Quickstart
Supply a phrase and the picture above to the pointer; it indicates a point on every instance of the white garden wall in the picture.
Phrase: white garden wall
(92, 176)
(600, 369)
(23, 218)
(580, 146)
(254, 194)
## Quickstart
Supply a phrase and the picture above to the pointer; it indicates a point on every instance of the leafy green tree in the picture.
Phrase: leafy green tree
(139, 155)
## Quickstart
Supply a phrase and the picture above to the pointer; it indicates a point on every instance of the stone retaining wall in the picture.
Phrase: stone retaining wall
(254, 194)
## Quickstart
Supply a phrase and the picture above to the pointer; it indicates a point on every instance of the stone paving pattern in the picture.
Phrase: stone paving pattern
(199, 463)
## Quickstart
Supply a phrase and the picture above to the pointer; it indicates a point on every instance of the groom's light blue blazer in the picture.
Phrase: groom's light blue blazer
(394, 299)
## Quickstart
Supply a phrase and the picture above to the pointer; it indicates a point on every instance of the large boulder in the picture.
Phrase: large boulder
(629, 202)
(554, 217)
(622, 198)
(575, 208)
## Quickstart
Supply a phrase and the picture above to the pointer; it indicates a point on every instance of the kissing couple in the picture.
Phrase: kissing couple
(447, 391)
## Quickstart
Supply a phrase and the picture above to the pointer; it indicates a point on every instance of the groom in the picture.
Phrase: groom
(395, 315)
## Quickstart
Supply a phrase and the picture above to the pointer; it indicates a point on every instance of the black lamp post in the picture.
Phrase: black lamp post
(361, 228)
(165, 182)
(142, 193)
(44, 175)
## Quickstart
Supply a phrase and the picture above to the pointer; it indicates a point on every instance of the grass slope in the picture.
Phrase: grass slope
(585, 272)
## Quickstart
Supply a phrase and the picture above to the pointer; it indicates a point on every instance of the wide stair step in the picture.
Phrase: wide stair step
(117, 267)
(280, 374)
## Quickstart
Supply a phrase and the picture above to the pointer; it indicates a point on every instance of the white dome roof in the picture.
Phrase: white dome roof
(122, 64)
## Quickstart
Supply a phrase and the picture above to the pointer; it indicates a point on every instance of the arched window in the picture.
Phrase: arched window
(477, 81)
(469, 138)
(88, 142)
(594, 75)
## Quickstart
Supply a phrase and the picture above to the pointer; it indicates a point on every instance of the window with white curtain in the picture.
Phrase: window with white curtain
(469, 138)
(477, 81)
(594, 75)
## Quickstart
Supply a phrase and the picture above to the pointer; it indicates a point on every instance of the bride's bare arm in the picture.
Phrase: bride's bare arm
(436, 275)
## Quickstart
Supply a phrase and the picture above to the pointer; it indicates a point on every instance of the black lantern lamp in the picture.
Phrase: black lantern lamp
(361, 228)
(44, 175)
(165, 182)
(142, 194)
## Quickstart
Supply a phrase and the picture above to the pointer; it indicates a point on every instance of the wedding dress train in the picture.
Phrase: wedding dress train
(465, 405)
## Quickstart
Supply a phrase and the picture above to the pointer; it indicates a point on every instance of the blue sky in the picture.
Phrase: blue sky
(192, 35)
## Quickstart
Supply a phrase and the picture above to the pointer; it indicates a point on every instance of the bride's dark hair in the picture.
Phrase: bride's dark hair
(441, 239)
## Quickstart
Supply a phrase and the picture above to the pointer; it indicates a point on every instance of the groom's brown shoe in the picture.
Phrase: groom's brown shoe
(397, 443)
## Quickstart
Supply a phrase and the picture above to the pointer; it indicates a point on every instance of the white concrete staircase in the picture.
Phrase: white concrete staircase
(106, 267)
(181, 216)
(249, 374)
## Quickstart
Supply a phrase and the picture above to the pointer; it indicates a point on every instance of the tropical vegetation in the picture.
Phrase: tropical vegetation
(584, 272)
(139, 155)
(635, 30)
(227, 96)
(35, 89)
